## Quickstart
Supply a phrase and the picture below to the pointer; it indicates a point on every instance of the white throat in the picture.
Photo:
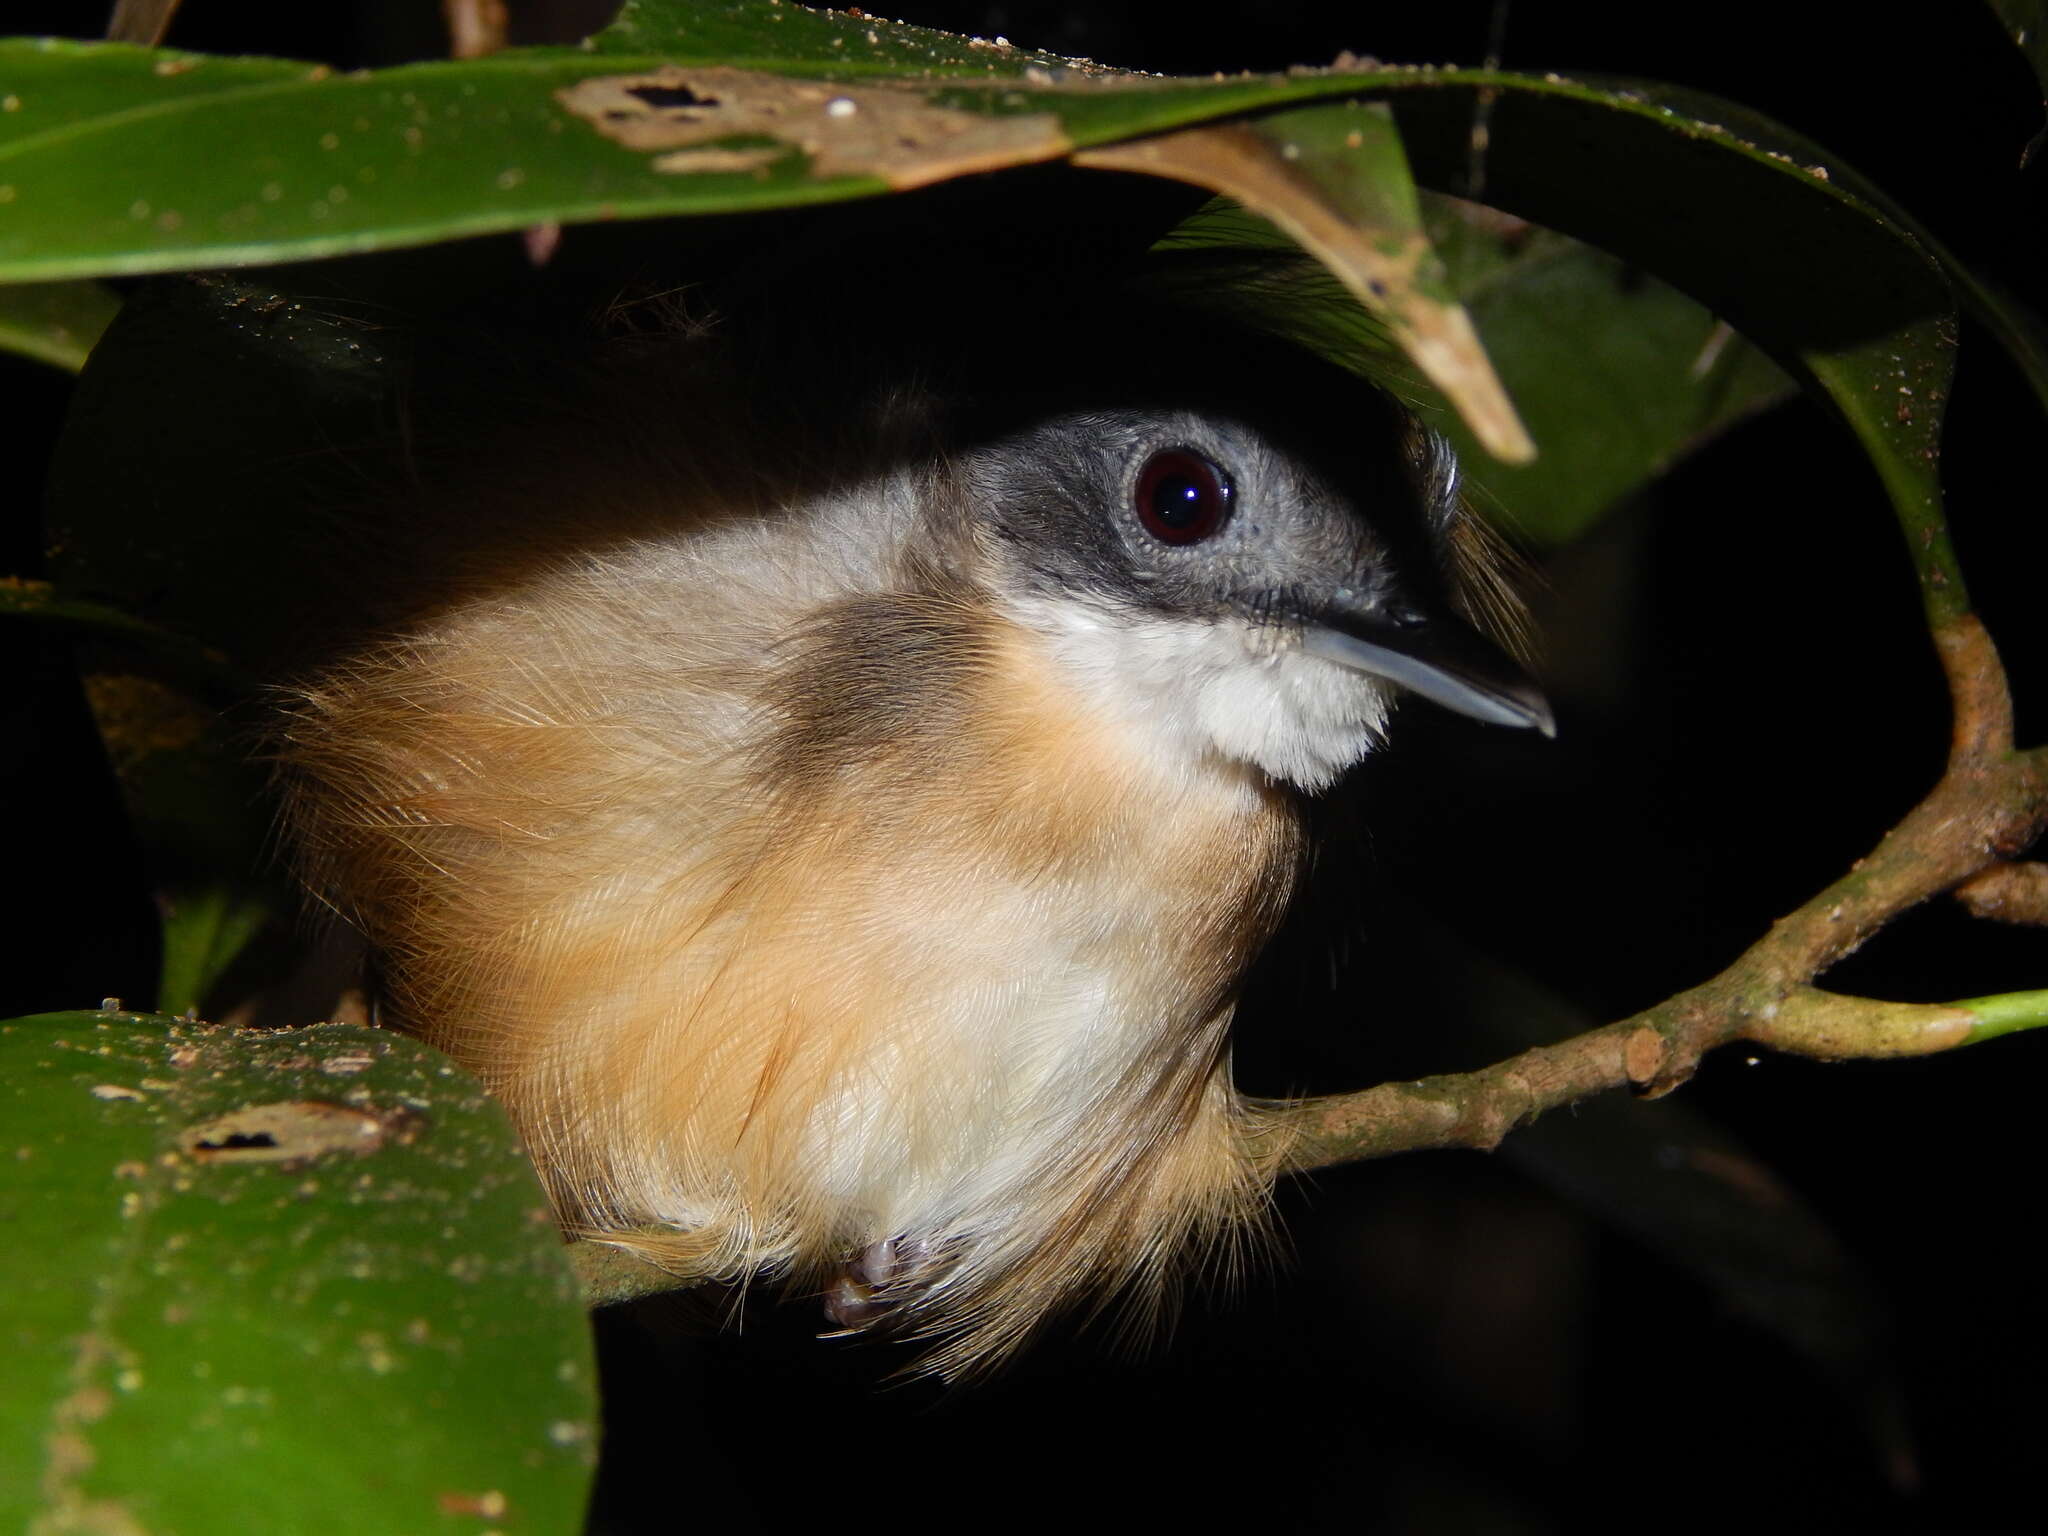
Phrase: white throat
(1202, 689)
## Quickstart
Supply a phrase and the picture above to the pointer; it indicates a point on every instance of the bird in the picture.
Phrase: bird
(831, 790)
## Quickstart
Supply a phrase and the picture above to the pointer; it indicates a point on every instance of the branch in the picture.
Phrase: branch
(1990, 804)
(609, 1273)
(2008, 893)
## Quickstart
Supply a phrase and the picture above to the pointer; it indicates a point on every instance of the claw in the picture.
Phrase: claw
(858, 1294)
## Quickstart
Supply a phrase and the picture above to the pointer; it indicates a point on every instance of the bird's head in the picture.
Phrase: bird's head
(1248, 583)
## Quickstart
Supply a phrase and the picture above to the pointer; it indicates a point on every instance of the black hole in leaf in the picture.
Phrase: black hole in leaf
(238, 1141)
(665, 96)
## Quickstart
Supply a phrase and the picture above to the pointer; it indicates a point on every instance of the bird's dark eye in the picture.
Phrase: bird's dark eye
(1181, 497)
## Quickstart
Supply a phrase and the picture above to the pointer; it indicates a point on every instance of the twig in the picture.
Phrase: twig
(609, 1273)
(2008, 893)
(1990, 804)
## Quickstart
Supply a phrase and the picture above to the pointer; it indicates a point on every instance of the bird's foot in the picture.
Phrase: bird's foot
(860, 1292)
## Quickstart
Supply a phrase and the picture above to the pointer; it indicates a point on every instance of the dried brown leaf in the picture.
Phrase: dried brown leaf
(685, 116)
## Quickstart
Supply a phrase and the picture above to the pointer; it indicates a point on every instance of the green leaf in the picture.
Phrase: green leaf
(190, 792)
(300, 1281)
(762, 34)
(1760, 226)
(1617, 374)
(196, 802)
(55, 323)
(126, 160)
(55, 87)
(207, 924)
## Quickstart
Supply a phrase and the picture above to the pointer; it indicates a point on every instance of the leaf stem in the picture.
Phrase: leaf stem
(2005, 1014)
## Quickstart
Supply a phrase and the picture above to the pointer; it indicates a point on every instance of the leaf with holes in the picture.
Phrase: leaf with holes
(296, 1281)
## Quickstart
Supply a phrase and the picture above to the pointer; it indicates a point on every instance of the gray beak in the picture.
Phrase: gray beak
(1441, 659)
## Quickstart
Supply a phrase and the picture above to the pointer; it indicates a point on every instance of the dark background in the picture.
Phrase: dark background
(1792, 1293)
